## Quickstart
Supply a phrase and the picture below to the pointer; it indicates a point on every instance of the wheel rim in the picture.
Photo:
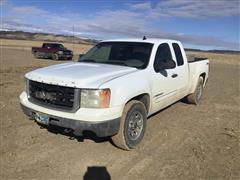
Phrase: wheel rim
(199, 92)
(135, 125)
(55, 57)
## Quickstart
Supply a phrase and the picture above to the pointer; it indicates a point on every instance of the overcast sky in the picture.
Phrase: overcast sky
(204, 24)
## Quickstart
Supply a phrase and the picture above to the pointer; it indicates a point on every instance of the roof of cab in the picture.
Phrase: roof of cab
(148, 40)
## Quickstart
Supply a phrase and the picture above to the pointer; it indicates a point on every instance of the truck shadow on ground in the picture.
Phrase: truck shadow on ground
(97, 172)
(90, 135)
(66, 132)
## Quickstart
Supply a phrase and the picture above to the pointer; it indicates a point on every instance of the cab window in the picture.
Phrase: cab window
(61, 46)
(178, 54)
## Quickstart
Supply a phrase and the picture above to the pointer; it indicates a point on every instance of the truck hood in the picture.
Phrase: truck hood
(79, 74)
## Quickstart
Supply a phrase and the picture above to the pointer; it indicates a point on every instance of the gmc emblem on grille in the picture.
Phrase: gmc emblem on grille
(45, 95)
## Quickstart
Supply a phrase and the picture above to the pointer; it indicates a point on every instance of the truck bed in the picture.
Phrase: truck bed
(191, 58)
(44, 50)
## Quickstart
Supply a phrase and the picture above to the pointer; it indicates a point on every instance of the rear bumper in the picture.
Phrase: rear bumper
(101, 129)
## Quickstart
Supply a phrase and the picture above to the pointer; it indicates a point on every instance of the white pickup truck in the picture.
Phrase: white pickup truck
(114, 88)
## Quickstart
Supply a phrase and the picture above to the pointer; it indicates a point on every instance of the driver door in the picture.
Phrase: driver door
(164, 88)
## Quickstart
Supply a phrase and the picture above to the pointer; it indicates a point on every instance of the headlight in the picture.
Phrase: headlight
(91, 98)
(60, 52)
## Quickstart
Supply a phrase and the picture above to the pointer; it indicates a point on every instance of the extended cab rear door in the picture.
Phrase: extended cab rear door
(181, 69)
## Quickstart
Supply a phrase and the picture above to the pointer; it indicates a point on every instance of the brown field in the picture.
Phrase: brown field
(27, 45)
(181, 142)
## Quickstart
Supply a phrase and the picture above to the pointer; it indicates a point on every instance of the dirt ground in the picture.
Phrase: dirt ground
(181, 142)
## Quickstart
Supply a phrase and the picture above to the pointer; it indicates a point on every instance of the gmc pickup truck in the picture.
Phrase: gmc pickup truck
(54, 51)
(114, 88)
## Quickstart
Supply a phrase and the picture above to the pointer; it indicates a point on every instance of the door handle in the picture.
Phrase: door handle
(174, 75)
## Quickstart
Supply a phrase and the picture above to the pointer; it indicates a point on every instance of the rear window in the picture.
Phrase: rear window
(53, 46)
(178, 54)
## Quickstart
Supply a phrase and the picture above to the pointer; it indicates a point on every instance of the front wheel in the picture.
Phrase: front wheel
(132, 126)
(195, 97)
(55, 57)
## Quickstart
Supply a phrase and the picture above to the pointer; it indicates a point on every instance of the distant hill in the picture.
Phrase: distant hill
(20, 35)
(214, 51)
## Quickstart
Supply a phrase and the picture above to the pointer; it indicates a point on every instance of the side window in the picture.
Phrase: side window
(163, 54)
(44, 46)
(61, 46)
(178, 54)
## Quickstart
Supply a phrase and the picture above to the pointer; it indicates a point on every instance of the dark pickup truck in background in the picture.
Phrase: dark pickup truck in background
(54, 51)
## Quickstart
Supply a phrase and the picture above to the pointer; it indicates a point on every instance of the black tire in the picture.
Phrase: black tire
(132, 126)
(196, 97)
(55, 57)
(36, 55)
(69, 58)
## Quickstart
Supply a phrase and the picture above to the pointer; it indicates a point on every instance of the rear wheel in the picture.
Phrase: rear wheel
(55, 57)
(36, 55)
(196, 97)
(132, 126)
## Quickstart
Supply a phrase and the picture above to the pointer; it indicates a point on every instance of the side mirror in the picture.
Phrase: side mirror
(81, 55)
(162, 65)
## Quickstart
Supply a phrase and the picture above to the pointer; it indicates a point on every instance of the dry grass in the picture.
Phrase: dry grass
(181, 142)
(218, 57)
(27, 45)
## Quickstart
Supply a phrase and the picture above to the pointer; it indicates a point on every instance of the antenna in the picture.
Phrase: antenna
(144, 38)
(73, 36)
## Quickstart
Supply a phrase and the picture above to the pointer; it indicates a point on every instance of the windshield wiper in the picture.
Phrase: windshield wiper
(87, 60)
(108, 62)
(117, 63)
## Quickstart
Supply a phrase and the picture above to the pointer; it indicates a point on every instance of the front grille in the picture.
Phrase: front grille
(53, 95)
(67, 52)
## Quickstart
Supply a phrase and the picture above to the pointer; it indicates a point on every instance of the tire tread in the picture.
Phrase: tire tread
(119, 138)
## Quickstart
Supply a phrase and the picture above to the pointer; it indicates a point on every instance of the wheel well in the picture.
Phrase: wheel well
(203, 75)
(144, 98)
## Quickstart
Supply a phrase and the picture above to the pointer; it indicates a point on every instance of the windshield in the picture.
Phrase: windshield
(131, 54)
